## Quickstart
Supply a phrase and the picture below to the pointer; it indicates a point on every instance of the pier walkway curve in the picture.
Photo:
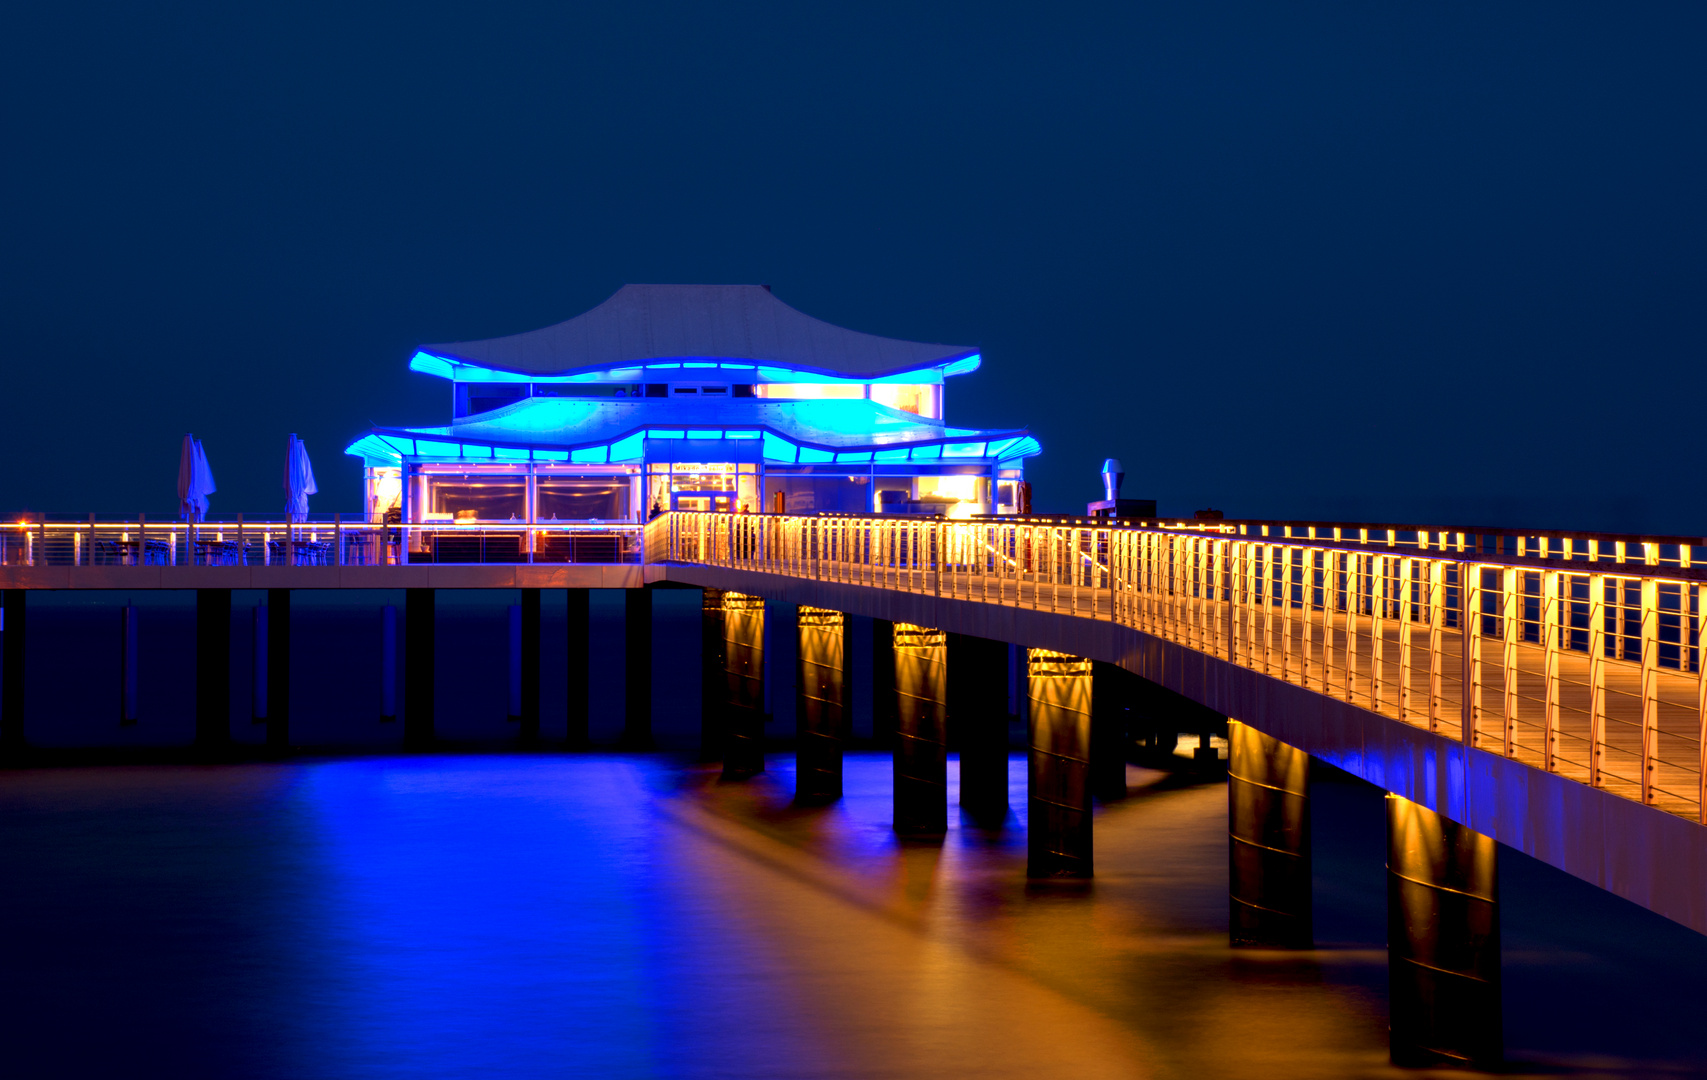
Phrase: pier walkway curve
(1570, 729)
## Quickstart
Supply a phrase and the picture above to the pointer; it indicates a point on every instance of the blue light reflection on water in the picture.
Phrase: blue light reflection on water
(627, 916)
(484, 915)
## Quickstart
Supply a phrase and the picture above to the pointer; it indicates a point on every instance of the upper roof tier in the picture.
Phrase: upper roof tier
(642, 323)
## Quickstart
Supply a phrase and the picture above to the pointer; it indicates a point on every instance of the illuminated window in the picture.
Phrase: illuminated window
(810, 391)
(476, 498)
(955, 496)
(384, 492)
(583, 498)
(920, 399)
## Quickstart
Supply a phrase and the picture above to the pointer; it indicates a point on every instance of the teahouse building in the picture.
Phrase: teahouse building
(691, 397)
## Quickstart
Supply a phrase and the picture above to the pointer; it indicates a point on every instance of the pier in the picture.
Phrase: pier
(1538, 691)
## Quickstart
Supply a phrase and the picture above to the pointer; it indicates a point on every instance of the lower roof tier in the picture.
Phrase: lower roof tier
(855, 431)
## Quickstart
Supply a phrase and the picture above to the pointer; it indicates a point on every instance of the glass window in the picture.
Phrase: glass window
(811, 390)
(954, 496)
(478, 498)
(584, 498)
(920, 399)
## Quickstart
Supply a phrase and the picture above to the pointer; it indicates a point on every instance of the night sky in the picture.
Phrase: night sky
(1370, 261)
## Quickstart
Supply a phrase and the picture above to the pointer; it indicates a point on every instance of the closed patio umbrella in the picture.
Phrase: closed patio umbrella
(195, 480)
(298, 481)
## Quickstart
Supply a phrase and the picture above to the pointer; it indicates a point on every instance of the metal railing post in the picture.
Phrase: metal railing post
(1551, 620)
(1470, 651)
(1436, 643)
(1378, 568)
(1511, 618)
(1700, 697)
(1358, 566)
(1597, 677)
(1407, 568)
(1288, 570)
(1650, 658)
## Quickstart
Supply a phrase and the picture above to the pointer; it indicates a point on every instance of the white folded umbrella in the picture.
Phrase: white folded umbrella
(195, 480)
(298, 480)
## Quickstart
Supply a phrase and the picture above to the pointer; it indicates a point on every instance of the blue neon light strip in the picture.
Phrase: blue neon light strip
(381, 450)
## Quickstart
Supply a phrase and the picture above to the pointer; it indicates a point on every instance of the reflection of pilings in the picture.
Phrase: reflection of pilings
(1058, 807)
(1268, 823)
(712, 711)
(921, 731)
(278, 666)
(978, 715)
(637, 664)
(743, 685)
(1443, 939)
(821, 705)
(1111, 713)
(883, 684)
(213, 668)
(528, 733)
(578, 663)
(12, 670)
(419, 623)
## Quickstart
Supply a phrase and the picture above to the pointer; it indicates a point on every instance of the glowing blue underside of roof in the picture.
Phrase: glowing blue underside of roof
(390, 449)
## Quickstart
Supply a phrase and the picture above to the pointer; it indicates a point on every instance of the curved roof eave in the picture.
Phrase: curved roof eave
(658, 323)
(757, 431)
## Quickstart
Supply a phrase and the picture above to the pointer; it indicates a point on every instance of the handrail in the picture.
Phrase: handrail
(1592, 669)
(331, 542)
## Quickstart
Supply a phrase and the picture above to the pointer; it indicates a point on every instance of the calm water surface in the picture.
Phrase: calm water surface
(611, 916)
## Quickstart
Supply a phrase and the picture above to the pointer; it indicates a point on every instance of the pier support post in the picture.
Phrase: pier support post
(578, 667)
(1058, 804)
(743, 685)
(821, 705)
(12, 670)
(978, 720)
(712, 713)
(637, 669)
(278, 669)
(921, 731)
(883, 684)
(1111, 711)
(1443, 940)
(528, 734)
(419, 624)
(1268, 825)
(213, 669)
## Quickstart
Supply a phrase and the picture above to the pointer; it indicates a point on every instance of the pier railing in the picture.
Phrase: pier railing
(325, 542)
(1580, 654)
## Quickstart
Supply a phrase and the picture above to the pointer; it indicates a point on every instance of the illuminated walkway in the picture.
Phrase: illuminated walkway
(1584, 709)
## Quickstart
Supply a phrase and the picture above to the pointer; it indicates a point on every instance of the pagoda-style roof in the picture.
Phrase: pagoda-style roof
(642, 323)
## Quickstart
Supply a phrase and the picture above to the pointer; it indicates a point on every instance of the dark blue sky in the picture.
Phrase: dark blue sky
(1375, 261)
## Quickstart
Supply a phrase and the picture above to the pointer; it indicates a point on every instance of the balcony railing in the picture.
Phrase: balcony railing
(1580, 654)
(329, 542)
